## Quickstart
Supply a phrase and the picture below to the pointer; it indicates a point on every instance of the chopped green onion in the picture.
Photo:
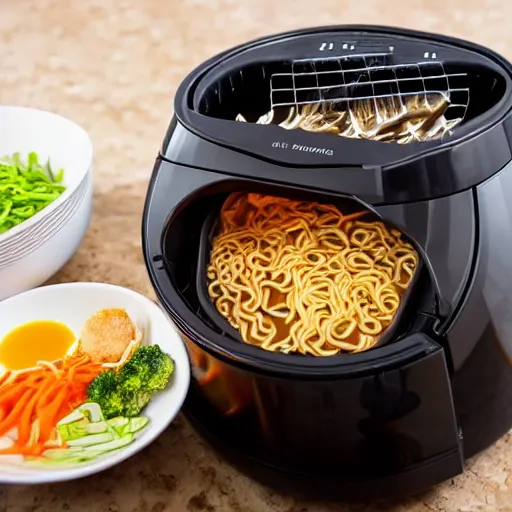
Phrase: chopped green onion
(26, 188)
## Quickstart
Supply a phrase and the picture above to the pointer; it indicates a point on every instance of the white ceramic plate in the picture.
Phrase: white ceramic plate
(72, 304)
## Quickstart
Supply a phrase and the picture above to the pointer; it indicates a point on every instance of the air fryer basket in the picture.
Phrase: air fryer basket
(255, 89)
(372, 81)
(209, 231)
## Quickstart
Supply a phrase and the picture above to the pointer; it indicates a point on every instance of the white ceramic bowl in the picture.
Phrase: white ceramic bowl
(33, 251)
(72, 304)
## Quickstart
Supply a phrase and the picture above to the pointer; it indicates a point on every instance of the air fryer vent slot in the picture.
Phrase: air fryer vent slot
(281, 92)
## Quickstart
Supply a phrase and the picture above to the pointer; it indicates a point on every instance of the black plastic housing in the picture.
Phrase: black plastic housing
(389, 421)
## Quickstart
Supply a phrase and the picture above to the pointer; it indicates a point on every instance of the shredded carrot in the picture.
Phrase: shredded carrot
(49, 414)
(75, 369)
(25, 423)
(32, 376)
(13, 416)
(45, 394)
(49, 366)
(11, 394)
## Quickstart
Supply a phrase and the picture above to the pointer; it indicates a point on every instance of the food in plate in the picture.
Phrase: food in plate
(26, 188)
(88, 435)
(76, 408)
(108, 334)
(33, 401)
(298, 276)
(127, 391)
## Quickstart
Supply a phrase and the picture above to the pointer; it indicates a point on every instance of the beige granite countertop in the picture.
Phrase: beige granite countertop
(113, 66)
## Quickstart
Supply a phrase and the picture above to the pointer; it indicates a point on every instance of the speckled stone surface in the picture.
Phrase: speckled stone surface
(113, 66)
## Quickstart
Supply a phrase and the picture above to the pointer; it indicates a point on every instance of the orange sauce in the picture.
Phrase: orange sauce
(41, 340)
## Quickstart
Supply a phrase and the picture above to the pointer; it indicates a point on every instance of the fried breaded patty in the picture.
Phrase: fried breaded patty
(106, 335)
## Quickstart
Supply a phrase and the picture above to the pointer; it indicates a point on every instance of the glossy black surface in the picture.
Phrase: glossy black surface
(330, 486)
(261, 413)
(434, 176)
(480, 337)
(350, 430)
(392, 420)
(482, 394)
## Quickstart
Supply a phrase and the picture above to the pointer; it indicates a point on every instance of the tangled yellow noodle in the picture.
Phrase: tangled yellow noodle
(301, 277)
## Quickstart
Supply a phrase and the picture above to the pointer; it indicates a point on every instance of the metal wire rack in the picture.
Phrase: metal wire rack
(364, 76)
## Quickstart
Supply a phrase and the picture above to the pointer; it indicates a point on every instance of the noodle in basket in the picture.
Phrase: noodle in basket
(301, 277)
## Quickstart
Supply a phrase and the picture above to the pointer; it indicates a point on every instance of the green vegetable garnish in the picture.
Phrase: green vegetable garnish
(148, 370)
(105, 390)
(128, 392)
(26, 188)
(88, 436)
(134, 403)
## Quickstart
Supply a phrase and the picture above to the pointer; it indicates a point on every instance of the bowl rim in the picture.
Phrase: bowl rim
(36, 477)
(48, 210)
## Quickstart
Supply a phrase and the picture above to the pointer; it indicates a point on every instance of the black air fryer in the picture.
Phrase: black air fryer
(404, 415)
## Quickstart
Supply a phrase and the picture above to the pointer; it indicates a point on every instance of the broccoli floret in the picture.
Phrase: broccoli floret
(128, 392)
(134, 403)
(103, 384)
(112, 406)
(131, 379)
(149, 370)
(104, 390)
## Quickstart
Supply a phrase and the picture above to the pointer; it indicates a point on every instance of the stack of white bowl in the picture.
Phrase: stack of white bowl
(36, 249)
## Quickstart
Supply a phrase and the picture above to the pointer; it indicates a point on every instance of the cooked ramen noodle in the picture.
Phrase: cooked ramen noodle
(301, 277)
(414, 118)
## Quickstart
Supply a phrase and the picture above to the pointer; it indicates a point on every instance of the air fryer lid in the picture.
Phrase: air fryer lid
(340, 64)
